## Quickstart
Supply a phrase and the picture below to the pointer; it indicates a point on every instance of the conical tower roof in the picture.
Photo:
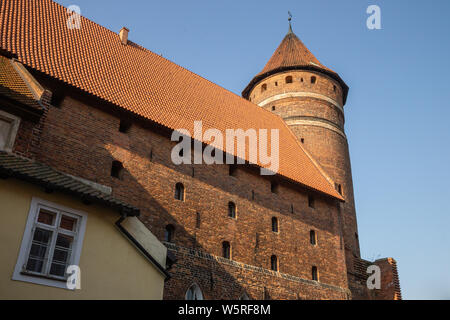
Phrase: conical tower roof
(292, 54)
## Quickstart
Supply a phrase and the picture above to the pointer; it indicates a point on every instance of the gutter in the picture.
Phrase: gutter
(140, 247)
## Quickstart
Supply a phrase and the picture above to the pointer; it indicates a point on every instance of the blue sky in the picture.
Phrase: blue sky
(397, 111)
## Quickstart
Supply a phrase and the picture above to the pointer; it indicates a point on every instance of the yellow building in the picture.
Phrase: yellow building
(53, 223)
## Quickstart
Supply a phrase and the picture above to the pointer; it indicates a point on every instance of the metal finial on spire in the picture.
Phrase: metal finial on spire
(289, 19)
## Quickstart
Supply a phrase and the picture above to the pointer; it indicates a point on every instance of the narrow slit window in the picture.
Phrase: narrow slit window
(226, 250)
(274, 224)
(314, 273)
(313, 237)
(311, 202)
(231, 210)
(169, 233)
(179, 191)
(274, 263)
(124, 126)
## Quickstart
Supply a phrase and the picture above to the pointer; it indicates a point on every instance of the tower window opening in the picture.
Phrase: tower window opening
(313, 237)
(274, 263)
(226, 250)
(313, 79)
(117, 170)
(334, 88)
(302, 140)
(179, 191)
(301, 80)
(276, 84)
(311, 202)
(314, 273)
(289, 79)
(263, 87)
(273, 108)
(231, 210)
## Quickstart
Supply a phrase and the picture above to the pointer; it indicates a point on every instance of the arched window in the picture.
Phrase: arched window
(244, 297)
(263, 87)
(169, 232)
(194, 293)
(226, 250)
(274, 263)
(274, 224)
(231, 210)
(313, 237)
(179, 191)
(289, 79)
(315, 273)
(313, 79)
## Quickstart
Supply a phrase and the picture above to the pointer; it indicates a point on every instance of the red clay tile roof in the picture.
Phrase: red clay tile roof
(94, 60)
(292, 54)
(13, 86)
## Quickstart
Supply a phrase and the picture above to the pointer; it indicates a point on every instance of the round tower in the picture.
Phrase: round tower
(311, 98)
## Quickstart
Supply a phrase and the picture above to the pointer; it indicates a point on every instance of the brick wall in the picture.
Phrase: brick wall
(81, 137)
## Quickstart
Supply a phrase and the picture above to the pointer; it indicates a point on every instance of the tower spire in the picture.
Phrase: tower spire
(289, 19)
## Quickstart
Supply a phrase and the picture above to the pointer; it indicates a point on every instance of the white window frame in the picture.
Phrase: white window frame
(14, 127)
(20, 274)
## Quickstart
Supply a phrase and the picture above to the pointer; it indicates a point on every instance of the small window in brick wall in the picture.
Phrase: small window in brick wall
(117, 169)
(124, 126)
(313, 237)
(198, 220)
(169, 233)
(313, 79)
(274, 263)
(314, 273)
(232, 170)
(226, 250)
(179, 191)
(274, 224)
(289, 79)
(311, 202)
(274, 187)
(57, 98)
(273, 108)
(231, 210)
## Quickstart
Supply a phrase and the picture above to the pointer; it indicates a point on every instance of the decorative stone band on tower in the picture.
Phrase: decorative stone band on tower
(310, 98)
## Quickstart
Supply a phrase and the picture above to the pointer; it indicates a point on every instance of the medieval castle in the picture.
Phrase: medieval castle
(104, 108)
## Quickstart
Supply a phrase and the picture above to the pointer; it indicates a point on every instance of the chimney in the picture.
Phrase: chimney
(123, 35)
